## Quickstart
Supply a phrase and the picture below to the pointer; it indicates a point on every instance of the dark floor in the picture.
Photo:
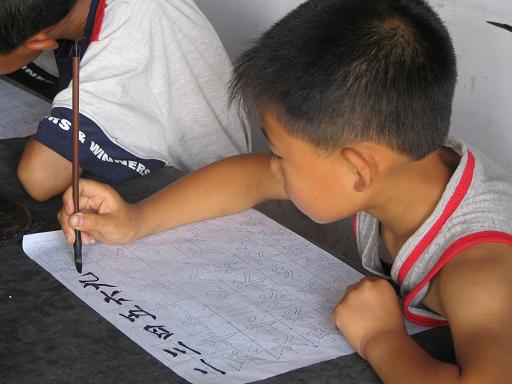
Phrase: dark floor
(47, 335)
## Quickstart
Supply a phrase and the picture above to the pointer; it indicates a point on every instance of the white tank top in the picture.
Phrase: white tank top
(476, 207)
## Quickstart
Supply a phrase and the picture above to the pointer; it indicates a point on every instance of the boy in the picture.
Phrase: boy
(355, 101)
(153, 88)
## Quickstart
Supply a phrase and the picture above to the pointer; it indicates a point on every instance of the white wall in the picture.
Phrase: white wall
(483, 102)
(482, 111)
(239, 22)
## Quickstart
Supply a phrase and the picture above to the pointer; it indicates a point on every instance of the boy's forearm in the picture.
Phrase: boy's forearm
(397, 359)
(220, 189)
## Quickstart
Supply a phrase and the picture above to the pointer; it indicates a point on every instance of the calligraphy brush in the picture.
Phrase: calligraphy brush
(77, 245)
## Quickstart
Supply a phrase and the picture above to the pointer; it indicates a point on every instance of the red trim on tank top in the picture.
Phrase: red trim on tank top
(453, 250)
(450, 208)
(98, 20)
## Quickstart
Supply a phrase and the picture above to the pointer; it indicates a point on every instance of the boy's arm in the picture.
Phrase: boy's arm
(474, 291)
(228, 186)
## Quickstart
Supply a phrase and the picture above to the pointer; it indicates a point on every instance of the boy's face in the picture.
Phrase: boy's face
(320, 184)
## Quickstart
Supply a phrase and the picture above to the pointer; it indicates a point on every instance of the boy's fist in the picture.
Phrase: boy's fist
(369, 309)
(103, 216)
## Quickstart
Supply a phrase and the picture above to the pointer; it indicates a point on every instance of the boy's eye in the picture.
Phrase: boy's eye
(275, 157)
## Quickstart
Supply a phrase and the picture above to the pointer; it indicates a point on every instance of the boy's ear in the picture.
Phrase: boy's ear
(41, 41)
(363, 165)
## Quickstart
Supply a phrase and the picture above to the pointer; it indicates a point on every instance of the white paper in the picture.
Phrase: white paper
(20, 112)
(230, 300)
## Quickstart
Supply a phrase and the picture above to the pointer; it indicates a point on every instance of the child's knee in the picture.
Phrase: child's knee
(30, 180)
(35, 183)
(42, 172)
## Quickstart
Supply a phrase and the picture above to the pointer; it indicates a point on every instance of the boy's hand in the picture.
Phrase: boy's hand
(368, 310)
(103, 216)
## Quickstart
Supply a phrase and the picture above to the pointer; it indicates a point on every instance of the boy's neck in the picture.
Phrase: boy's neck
(72, 27)
(411, 196)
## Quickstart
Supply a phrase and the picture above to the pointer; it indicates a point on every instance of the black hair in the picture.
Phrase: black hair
(345, 71)
(22, 19)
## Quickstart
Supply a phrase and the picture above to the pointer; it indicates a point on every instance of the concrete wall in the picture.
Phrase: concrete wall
(483, 102)
(482, 112)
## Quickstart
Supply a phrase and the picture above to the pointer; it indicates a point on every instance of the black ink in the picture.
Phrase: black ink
(506, 27)
(134, 314)
(193, 350)
(200, 370)
(109, 298)
(159, 331)
(212, 367)
(174, 354)
(92, 283)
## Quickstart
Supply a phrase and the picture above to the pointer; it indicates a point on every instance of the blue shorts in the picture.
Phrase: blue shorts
(98, 154)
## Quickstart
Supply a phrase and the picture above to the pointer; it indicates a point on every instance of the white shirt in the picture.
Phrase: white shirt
(156, 81)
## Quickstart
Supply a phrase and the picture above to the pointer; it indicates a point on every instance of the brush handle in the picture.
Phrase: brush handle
(77, 245)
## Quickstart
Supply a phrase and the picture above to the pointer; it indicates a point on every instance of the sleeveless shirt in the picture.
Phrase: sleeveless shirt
(476, 207)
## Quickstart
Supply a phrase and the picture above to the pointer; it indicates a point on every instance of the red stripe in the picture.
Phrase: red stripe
(98, 20)
(452, 251)
(451, 206)
(425, 321)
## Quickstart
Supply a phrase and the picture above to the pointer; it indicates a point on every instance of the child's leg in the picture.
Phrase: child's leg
(43, 172)
(45, 166)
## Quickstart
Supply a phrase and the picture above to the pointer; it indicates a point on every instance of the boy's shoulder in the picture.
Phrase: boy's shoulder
(141, 26)
(159, 11)
(483, 191)
(477, 281)
(477, 199)
(474, 210)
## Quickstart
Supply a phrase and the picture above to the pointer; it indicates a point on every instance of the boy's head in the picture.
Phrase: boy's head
(338, 72)
(22, 20)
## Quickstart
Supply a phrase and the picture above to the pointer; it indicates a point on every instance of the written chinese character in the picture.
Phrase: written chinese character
(159, 331)
(134, 314)
(209, 365)
(182, 350)
(109, 298)
(94, 282)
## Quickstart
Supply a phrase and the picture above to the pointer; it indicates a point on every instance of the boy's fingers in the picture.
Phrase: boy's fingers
(84, 202)
(69, 205)
(87, 239)
(70, 236)
(67, 201)
(66, 229)
(94, 197)
(88, 222)
(88, 190)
